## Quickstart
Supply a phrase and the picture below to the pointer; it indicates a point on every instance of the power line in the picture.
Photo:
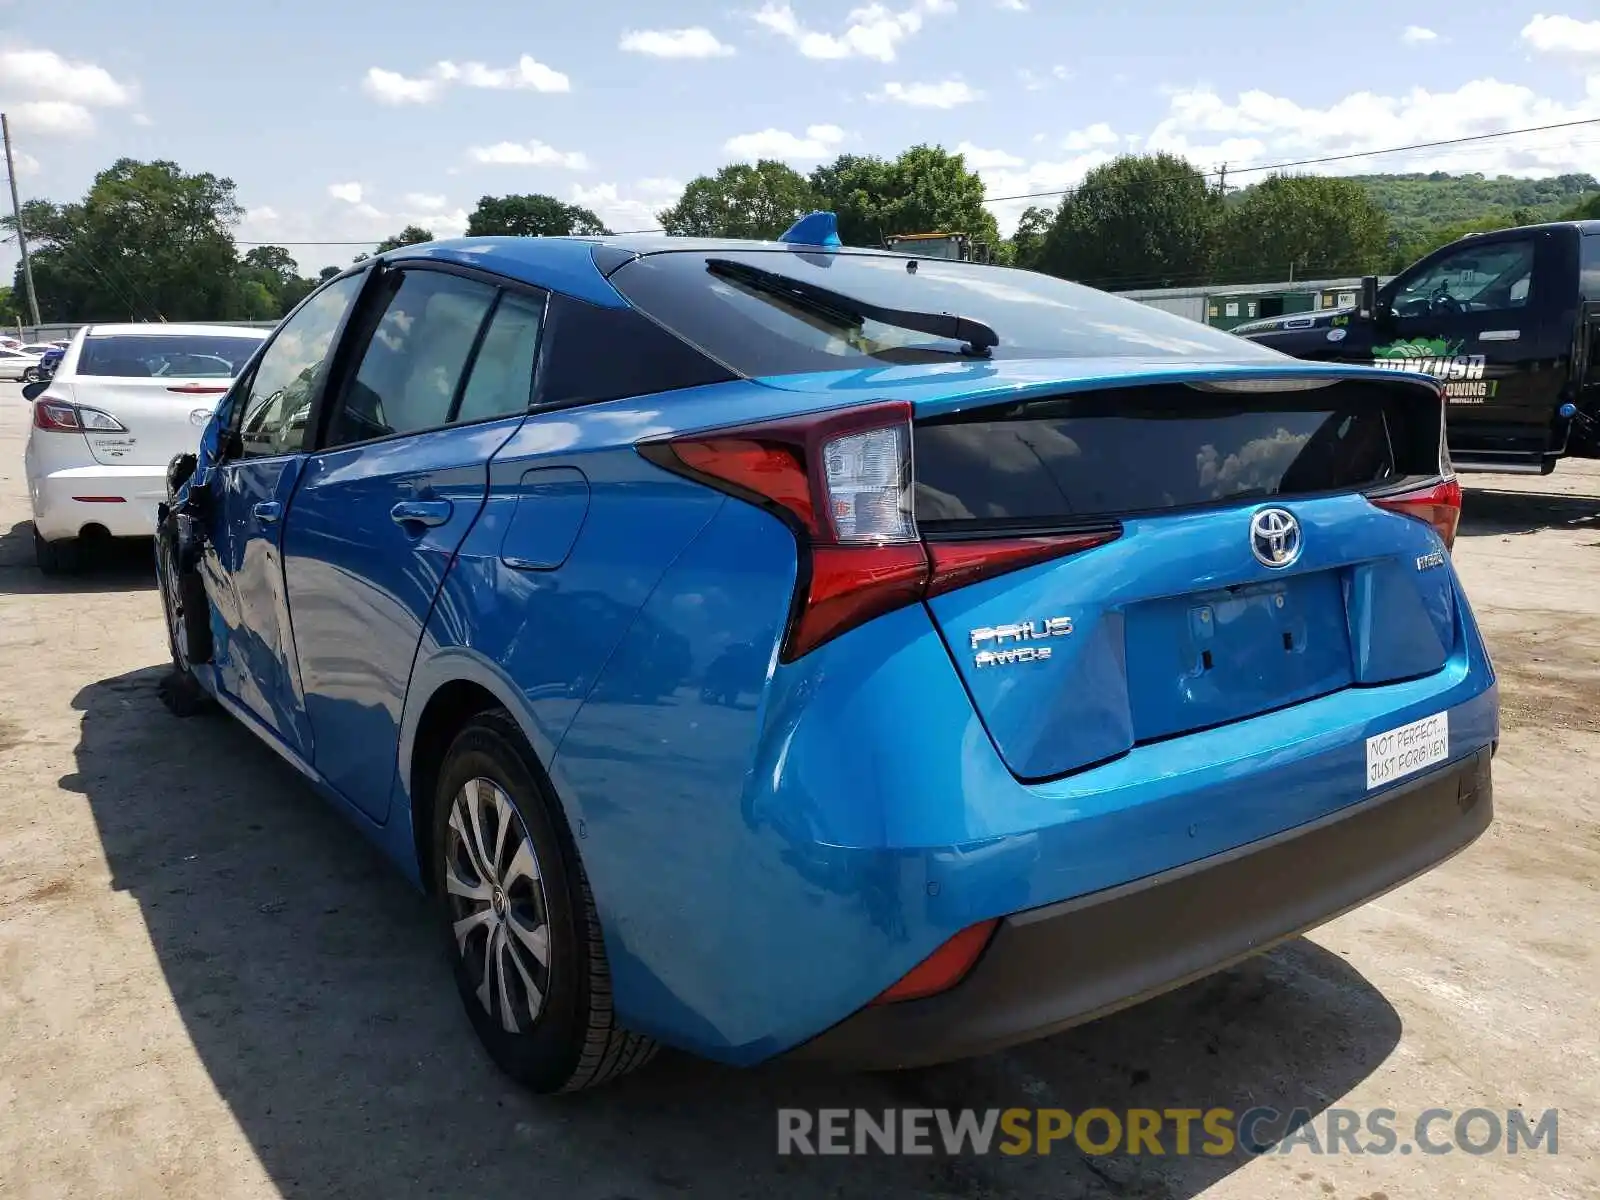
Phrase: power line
(1223, 172)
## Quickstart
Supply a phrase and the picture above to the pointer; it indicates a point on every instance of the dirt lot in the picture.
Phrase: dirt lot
(211, 987)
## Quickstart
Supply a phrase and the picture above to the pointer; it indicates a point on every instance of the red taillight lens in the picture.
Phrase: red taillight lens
(842, 482)
(56, 415)
(1438, 504)
(944, 968)
(956, 564)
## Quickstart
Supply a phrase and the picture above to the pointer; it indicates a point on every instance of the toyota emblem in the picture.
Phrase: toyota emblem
(1275, 537)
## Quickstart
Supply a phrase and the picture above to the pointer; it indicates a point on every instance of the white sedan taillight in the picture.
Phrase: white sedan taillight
(59, 416)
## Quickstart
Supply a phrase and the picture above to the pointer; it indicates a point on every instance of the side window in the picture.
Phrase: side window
(412, 367)
(1488, 278)
(277, 399)
(1589, 267)
(501, 383)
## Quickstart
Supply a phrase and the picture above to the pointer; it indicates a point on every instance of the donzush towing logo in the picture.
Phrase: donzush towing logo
(1461, 374)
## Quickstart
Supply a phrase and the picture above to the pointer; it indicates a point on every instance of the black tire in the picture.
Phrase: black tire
(184, 607)
(60, 557)
(31, 375)
(572, 1041)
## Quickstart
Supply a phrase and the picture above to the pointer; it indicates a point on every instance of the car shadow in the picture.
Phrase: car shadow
(120, 565)
(1486, 511)
(308, 977)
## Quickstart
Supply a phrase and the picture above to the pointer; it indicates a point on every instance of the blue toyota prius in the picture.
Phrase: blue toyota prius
(786, 649)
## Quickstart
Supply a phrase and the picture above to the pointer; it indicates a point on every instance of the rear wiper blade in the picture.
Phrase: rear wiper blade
(847, 310)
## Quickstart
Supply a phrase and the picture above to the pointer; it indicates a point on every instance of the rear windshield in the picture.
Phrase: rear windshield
(173, 356)
(1066, 461)
(1034, 316)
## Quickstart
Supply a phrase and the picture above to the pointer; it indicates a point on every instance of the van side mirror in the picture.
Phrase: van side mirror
(32, 391)
(1369, 297)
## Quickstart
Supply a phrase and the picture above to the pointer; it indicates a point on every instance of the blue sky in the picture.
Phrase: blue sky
(343, 120)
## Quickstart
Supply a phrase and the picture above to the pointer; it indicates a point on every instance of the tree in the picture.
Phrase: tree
(273, 260)
(531, 216)
(146, 242)
(741, 201)
(926, 190)
(1303, 227)
(327, 273)
(1584, 210)
(1027, 243)
(411, 235)
(1136, 221)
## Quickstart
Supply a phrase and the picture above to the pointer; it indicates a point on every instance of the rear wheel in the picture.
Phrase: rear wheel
(518, 920)
(183, 604)
(60, 557)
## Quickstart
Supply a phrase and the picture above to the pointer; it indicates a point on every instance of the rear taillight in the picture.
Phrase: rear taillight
(58, 416)
(1438, 504)
(842, 481)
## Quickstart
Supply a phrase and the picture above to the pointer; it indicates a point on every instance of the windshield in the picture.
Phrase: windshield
(756, 333)
(170, 356)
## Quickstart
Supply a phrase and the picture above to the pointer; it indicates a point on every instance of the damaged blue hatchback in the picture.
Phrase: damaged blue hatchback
(790, 649)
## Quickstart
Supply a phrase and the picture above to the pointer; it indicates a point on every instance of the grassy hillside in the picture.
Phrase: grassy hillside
(1418, 204)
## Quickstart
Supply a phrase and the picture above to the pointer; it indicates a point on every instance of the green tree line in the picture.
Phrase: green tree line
(149, 241)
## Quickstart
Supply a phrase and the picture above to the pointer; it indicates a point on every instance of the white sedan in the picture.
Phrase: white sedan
(124, 401)
(14, 362)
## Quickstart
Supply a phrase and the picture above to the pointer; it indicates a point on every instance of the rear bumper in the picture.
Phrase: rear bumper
(1050, 968)
(121, 500)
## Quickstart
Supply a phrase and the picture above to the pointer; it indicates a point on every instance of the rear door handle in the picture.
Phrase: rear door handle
(267, 511)
(420, 512)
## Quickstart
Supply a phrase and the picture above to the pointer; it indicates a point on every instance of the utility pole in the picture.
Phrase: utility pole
(22, 237)
(1222, 180)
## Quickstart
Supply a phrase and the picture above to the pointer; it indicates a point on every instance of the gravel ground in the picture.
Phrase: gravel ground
(211, 987)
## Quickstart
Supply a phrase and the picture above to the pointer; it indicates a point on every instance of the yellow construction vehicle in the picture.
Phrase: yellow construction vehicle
(958, 247)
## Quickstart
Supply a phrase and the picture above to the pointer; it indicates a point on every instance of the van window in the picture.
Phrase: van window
(1494, 277)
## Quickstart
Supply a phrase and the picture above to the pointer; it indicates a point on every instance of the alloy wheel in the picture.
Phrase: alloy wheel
(497, 905)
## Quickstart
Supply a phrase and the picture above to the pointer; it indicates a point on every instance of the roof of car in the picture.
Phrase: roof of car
(567, 263)
(165, 329)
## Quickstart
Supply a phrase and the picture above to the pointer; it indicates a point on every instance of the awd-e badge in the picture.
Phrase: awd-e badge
(1007, 645)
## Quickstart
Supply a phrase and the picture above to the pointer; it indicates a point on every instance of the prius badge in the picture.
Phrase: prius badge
(1007, 645)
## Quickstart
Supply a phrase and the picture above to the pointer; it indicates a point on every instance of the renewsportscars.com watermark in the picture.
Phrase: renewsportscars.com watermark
(1212, 1132)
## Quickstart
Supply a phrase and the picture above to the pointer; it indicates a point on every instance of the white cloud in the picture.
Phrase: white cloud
(142, 119)
(391, 87)
(304, 232)
(819, 142)
(425, 201)
(528, 154)
(1416, 35)
(45, 75)
(53, 116)
(350, 193)
(979, 159)
(529, 74)
(1563, 35)
(1012, 5)
(633, 210)
(1098, 136)
(951, 93)
(874, 31)
(697, 42)
(1259, 127)
(1036, 81)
